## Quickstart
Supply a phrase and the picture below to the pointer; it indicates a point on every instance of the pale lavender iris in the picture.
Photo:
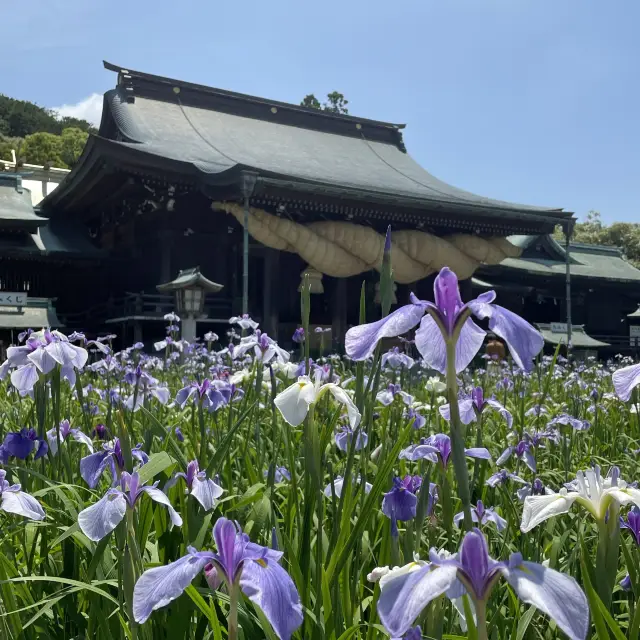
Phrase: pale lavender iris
(298, 335)
(211, 394)
(445, 319)
(388, 395)
(238, 563)
(406, 591)
(625, 380)
(632, 523)
(244, 322)
(280, 474)
(345, 436)
(264, 348)
(203, 489)
(147, 387)
(14, 500)
(482, 515)
(93, 466)
(565, 419)
(502, 477)
(19, 444)
(100, 519)
(65, 432)
(472, 406)
(395, 359)
(437, 448)
(41, 354)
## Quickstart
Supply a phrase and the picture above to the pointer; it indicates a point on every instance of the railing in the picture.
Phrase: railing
(141, 306)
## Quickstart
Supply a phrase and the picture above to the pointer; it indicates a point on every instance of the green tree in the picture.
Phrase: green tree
(7, 144)
(42, 148)
(336, 103)
(73, 141)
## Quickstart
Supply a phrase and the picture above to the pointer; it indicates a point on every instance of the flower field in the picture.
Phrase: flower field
(233, 489)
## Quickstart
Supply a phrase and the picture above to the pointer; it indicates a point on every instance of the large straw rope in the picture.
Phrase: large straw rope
(343, 249)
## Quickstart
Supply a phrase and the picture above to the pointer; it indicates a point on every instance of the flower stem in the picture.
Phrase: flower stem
(457, 436)
(481, 613)
(232, 620)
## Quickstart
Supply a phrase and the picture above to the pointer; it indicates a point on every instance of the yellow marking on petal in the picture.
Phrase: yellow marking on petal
(262, 563)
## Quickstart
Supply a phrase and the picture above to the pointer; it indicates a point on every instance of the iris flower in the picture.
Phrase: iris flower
(65, 432)
(294, 402)
(446, 320)
(244, 322)
(19, 444)
(589, 489)
(406, 591)
(100, 519)
(264, 348)
(211, 394)
(625, 380)
(437, 448)
(41, 354)
(632, 523)
(203, 489)
(93, 466)
(344, 437)
(482, 515)
(239, 564)
(473, 406)
(336, 485)
(395, 359)
(14, 500)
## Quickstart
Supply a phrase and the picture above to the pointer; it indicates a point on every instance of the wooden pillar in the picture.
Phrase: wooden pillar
(270, 302)
(339, 314)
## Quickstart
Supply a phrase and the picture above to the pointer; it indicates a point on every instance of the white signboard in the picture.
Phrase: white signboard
(558, 327)
(12, 299)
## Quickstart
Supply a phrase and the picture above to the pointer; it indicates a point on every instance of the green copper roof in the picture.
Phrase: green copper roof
(16, 210)
(590, 261)
(579, 339)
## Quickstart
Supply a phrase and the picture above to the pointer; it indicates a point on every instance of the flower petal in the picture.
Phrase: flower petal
(625, 380)
(293, 403)
(343, 397)
(100, 519)
(360, 342)
(24, 378)
(206, 492)
(406, 591)
(269, 586)
(159, 496)
(523, 340)
(80, 437)
(555, 594)
(505, 413)
(469, 343)
(480, 453)
(431, 345)
(537, 509)
(22, 504)
(159, 586)
(92, 467)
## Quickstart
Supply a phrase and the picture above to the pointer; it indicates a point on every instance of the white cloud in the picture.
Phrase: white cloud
(89, 109)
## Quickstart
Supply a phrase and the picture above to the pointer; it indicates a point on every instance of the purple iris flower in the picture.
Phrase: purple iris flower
(19, 444)
(264, 348)
(244, 322)
(482, 515)
(344, 437)
(437, 448)
(179, 434)
(472, 406)
(100, 519)
(401, 502)
(448, 319)
(203, 489)
(281, 474)
(298, 335)
(211, 394)
(100, 431)
(148, 387)
(93, 466)
(418, 419)
(625, 583)
(566, 420)
(502, 477)
(535, 488)
(65, 432)
(632, 523)
(406, 591)
(239, 564)
(523, 451)
(415, 633)
(14, 500)
(387, 396)
(395, 359)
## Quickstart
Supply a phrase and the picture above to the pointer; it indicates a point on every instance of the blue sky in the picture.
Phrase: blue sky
(534, 101)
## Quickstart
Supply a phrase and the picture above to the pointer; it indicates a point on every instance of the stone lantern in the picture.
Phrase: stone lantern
(190, 288)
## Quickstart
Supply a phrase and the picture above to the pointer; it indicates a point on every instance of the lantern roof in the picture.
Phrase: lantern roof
(190, 279)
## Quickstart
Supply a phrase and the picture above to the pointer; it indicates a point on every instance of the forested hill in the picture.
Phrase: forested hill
(38, 135)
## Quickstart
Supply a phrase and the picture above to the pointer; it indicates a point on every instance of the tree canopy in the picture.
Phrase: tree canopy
(39, 135)
(336, 103)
